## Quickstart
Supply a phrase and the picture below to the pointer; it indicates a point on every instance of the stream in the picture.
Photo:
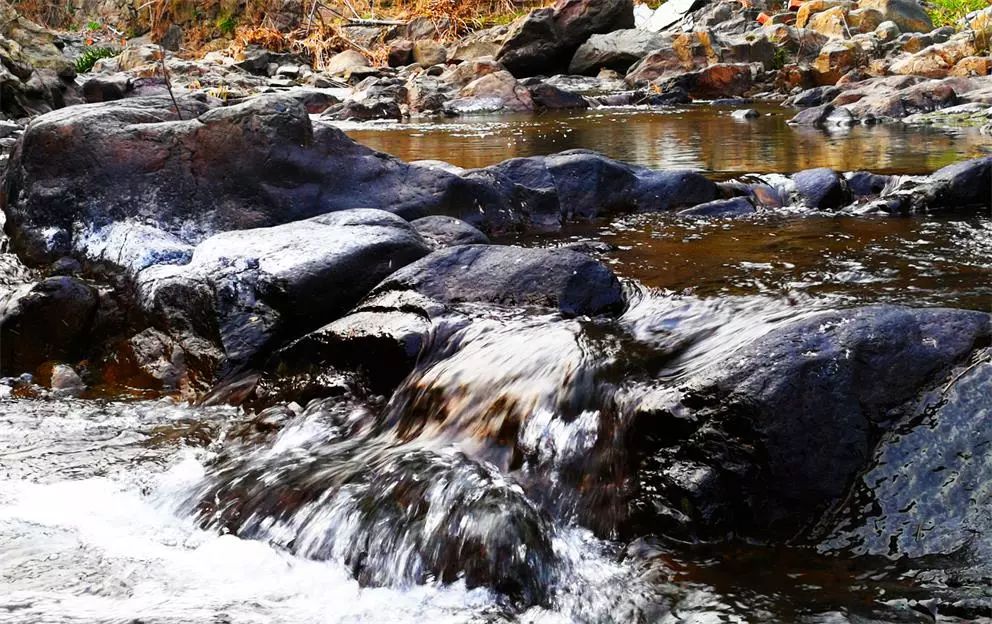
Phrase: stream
(344, 510)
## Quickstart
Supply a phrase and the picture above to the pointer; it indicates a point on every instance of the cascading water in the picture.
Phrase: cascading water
(492, 485)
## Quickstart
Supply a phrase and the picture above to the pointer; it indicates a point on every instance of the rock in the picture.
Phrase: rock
(149, 360)
(66, 382)
(962, 185)
(972, 66)
(779, 431)
(879, 99)
(868, 20)
(866, 184)
(344, 63)
(929, 62)
(810, 9)
(836, 58)
(887, 31)
(821, 189)
(545, 41)
(479, 44)
(256, 164)
(833, 23)
(721, 208)
(720, 80)
(49, 320)
(107, 88)
(669, 14)
(687, 52)
(926, 491)
(906, 14)
(249, 289)
(568, 281)
(617, 50)
(548, 97)
(492, 92)
(400, 53)
(745, 113)
(440, 232)
(427, 52)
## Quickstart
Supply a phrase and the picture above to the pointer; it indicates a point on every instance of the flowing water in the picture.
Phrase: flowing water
(488, 487)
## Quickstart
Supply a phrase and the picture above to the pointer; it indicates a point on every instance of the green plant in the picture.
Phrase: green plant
(90, 56)
(949, 12)
(94, 26)
(226, 24)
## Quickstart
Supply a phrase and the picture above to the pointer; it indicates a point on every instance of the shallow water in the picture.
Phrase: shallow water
(845, 261)
(699, 137)
(159, 513)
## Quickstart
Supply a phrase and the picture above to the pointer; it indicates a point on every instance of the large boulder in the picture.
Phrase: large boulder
(35, 77)
(762, 443)
(544, 41)
(908, 15)
(561, 279)
(616, 50)
(78, 171)
(48, 320)
(245, 290)
(492, 92)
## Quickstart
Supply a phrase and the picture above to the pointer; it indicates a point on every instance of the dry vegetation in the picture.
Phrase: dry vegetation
(308, 27)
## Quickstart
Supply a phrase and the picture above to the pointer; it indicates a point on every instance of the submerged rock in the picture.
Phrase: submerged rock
(393, 515)
(778, 432)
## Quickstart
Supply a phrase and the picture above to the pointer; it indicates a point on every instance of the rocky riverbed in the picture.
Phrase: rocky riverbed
(252, 369)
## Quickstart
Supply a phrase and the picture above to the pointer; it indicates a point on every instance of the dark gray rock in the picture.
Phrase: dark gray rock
(821, 189)
(962, 185)
(107, 88)
(866, 184)
(735, 207)
(617, 50)
(247, 290)
(562, 279)
(927, 490)
(548, 97)
(440, 231)
(545, 41)
(777, 432)
(49, 320)
(256, 164)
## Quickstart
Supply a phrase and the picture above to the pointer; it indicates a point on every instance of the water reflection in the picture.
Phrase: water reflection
(698, 137)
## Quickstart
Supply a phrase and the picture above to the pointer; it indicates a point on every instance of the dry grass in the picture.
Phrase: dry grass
(312, 31)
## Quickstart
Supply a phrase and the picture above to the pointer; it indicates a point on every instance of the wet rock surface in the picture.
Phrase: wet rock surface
(762, 445)
(247, 288)
(561, 279)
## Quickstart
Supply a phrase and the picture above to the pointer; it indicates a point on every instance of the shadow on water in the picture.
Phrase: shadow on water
(700, 137)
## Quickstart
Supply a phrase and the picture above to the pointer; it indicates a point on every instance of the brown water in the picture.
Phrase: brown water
(701, 137)
(844, 260)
